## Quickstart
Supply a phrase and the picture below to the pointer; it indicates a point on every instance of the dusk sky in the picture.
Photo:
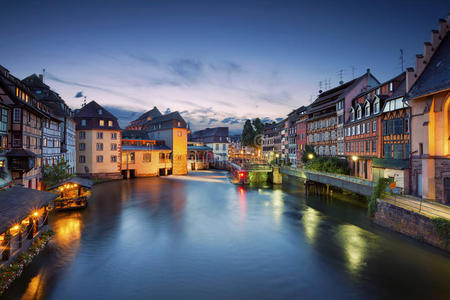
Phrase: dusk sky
(218, 62)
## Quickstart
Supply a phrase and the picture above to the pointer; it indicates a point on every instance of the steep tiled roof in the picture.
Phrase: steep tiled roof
(166, 121)
(92, 113)
(216, 134)
(436, 76)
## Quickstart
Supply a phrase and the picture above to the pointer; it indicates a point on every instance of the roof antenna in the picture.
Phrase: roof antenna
(341, 73)
(401, 58)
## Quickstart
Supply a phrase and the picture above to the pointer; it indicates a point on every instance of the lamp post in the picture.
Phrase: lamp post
(310, 156)
(355, 159)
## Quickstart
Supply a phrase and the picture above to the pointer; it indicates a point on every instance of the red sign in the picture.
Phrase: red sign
(393, 185)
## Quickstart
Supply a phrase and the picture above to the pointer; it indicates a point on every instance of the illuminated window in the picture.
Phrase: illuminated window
(102, 122)
(110, 123)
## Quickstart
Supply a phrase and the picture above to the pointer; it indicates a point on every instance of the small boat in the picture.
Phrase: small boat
(74, 193)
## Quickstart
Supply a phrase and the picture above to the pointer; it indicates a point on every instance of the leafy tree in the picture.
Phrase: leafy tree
(258, 126)
(308, 150)
(56, 173)
(248, 134)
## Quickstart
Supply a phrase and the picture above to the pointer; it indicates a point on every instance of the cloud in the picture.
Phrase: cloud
(212, 120)
(186, 68)
(145, 59)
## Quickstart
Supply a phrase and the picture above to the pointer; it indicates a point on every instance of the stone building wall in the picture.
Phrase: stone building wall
(408, 223)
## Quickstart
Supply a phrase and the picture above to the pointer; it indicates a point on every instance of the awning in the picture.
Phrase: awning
(20, 153)
(78, 180)
(17, 203)
(390, 163)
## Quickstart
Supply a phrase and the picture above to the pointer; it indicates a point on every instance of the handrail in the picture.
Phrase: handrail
(334, 175)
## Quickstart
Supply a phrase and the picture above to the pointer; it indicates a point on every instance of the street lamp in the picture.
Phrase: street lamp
(310, 156)
(354, 158)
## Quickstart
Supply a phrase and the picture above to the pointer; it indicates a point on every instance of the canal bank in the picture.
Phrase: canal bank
(199, 236)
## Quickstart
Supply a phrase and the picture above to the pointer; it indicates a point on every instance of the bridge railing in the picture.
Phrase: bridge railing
(334, 175)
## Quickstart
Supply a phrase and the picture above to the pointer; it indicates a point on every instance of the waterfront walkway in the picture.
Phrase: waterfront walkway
(424, 207)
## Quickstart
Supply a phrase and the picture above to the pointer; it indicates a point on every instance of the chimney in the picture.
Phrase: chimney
(419, 64)
(434, 39)
(427, 51)
(443, 28)
(41, 77)
(410, 78)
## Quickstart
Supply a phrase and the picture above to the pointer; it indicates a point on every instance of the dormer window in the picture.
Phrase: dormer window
(376, 106)
(367, 109)
(101, 122)
(110, 123)
(100, 111)
(352, 114)
(391, 86)
(378, 91)
(83, 122)
(359, 112)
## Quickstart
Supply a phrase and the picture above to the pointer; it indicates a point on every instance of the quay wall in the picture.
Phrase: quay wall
(408, 223)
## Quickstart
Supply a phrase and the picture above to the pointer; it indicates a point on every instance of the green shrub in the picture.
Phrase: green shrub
(328, 164)
(379, 191)
(442, 227)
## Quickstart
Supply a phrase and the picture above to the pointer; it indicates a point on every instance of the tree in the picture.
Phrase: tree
(248, 134)
(56, 173)
(308, 150)
(258, 126)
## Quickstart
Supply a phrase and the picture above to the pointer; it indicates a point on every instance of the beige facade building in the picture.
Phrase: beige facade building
(142, 156)
(98, 143)
(429, 98)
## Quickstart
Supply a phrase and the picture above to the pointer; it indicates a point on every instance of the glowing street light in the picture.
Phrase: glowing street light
(354, 158)
(277, 155)
(310, 156)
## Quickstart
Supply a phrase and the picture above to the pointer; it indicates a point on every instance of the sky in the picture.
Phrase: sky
(217, 62)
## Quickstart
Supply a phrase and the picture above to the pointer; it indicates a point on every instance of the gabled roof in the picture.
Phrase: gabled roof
(436, 76)
(153, 113)
(216, 134)
(91, 110)
(168, 117)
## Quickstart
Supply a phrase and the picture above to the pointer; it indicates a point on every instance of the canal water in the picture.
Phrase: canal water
(199, 236)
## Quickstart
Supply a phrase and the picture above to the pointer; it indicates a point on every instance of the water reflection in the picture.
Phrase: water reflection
(35, 288)
(353, 241)
(311, 221)
(165, 238)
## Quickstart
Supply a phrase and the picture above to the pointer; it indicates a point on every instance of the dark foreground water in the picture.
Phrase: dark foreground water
(201, 237)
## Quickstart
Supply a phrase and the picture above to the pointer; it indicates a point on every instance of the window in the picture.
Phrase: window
(113, 147)
(82, 159)
(378, 91)
(387, 149)
(147, 157)
(367, 146)
(353, 130)
(101, 123)
(114, 136)
(99, 158)
(17, 115)
(406, 126)
(367, 127)
(376, 106)
(224, 147)
(391, 86)
(82, 135)
(374, 146)
(113, 158)
(45, 142)
(82, 146)
(420, 148)
(217, 146)
(352, 114)
(348, 147)
(99, 146)
(99, 135)
(363, 128)
(398, 126)
(357, 130)
(110, 123)
(398, 151)
(333, 135)
(100, 111)
(83, 122)
(359, 112)
(161, 156)
(367, 109)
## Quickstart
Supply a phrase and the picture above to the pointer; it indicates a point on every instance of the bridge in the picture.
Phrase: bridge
(242, 172)
(349, 183)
